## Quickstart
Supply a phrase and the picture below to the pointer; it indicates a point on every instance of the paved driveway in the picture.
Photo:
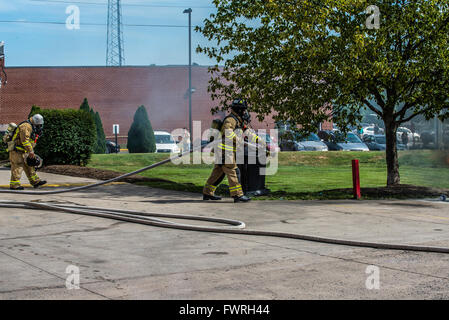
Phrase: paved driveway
(118, 260)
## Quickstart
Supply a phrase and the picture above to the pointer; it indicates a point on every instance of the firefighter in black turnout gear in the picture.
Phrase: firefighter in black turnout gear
(234, 125)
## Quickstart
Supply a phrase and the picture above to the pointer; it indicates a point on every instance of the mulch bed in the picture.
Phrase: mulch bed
(398, 191)
(85, 172)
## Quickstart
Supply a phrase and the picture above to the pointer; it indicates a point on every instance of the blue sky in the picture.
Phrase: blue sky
(28, 44)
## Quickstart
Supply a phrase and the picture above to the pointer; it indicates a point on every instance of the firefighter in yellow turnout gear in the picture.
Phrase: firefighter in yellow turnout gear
(231, 131)
(24, 138)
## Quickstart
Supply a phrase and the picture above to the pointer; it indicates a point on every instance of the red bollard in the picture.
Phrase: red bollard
(356, 179)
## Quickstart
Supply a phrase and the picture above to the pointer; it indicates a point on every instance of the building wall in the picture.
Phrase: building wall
(115, 92)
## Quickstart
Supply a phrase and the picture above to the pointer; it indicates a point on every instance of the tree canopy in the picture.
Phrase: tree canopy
(310, 61)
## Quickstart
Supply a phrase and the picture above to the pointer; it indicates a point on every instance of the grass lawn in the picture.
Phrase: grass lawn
(301, 175)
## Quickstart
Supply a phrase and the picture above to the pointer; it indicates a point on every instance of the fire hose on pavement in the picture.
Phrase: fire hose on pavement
(153, 218)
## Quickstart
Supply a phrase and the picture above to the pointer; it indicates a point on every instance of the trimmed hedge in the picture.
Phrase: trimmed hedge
(69, 136)
(141, 135)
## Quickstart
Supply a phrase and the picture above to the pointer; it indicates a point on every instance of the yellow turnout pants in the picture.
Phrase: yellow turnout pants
(217, 176)
(18, 165)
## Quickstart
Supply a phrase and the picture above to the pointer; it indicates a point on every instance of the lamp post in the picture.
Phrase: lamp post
(189, 11)
(3, 76)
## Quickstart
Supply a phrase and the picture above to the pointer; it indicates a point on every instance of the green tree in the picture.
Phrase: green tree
(100, 144)
(34, 110)
(141, 135)
(85, 105)
(307, 61)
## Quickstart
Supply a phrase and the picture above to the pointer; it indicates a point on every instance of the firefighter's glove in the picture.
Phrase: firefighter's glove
(268, 152)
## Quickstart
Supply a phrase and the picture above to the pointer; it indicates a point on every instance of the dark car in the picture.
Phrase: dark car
(287, 142)
(337, 141)
(375, 142)
(111, 147)
(378, 142)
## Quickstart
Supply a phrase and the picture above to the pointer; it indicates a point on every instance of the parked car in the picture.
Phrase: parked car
(111, 147)
(336, 141)
(410, 135)
(428, 139)
(288, 142)
(295, 142)
(371, 131)
(313, 143)
(270, 141)
(165, 142)
(378, 142)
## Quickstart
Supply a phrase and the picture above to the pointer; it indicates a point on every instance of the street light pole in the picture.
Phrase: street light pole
(189, 11)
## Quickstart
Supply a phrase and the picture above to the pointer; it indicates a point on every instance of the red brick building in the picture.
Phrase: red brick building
(115, 92)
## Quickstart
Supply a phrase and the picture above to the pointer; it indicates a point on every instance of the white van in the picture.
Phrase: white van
(165, 142)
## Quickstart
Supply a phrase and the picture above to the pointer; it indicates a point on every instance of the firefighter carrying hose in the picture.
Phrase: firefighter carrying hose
(21, 153)
(234, 125)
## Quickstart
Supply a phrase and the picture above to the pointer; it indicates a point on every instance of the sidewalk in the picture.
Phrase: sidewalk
(53, 180)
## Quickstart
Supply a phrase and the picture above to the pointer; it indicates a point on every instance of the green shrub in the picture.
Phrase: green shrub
(141, 135)
(4, 154)
(68, 138)
(100, 144)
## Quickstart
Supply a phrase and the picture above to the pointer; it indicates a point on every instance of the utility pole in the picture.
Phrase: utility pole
(3, 76)
(189, 11)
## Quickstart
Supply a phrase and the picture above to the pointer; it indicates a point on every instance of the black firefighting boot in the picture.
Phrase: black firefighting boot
(241, 199)
(40, 183)
(209, 197)
(18, 188)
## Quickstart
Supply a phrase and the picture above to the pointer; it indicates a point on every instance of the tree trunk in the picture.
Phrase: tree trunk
(391, 151)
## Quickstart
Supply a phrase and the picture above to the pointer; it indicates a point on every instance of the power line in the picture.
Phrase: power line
(97, 24)
(125, 5)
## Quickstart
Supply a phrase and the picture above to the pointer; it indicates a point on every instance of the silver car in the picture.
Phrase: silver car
(312, 143)
(296, 143)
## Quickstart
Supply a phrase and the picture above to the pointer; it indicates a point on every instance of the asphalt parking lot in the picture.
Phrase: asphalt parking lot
(119, 260)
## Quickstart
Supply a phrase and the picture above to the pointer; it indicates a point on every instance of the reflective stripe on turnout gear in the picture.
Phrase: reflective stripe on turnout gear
(213, 188)
(225, 147)
(231, 135)
(239, 187)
